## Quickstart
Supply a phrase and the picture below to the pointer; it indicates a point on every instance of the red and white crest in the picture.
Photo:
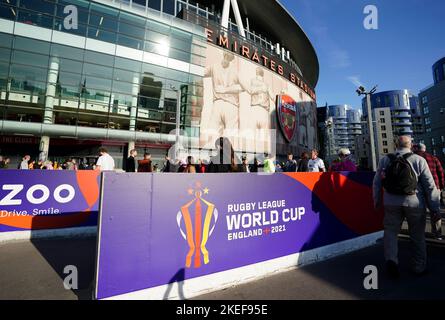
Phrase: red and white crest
(287, 116)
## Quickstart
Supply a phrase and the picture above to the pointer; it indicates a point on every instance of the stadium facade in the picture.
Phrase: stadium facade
(76, 75)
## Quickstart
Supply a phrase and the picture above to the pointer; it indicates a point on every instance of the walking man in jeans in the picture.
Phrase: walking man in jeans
(409, 189)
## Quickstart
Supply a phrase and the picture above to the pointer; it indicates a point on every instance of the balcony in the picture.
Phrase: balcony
(402, 123)
(401, 115)
(405, 131)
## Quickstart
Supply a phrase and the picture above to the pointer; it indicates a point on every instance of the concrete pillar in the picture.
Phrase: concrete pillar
(133, 110)
(50, 95)
(44, 148)
(134, 102)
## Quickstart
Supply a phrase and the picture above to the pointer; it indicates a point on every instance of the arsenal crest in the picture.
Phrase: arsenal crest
(287, 116)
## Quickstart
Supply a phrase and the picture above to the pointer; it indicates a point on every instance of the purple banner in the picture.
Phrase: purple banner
(45, 199)
(158, 229)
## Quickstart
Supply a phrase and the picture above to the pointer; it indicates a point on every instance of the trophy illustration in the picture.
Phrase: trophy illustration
(199, 226)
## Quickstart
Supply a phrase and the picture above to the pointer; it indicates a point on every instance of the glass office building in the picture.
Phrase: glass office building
(76, 74)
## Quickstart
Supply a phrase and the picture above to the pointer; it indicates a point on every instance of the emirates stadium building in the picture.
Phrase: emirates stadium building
(150, 74)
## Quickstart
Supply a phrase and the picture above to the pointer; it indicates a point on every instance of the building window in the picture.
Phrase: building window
(168, 6)
(382, 113)
(424, 99)
(384, 135)
(385, 143)
(378, 101)
(382, 120)
(387, 102)
(383, 128)
(385, 151)
(155, 4)
(426, 110)
(436, 74)
(142, 3)
(427, 121)
(396, 101)
(433, 141)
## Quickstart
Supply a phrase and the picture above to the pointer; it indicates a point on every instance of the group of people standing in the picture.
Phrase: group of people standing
(144, 165)
(28, 164)
(313, 163)
(225, 162)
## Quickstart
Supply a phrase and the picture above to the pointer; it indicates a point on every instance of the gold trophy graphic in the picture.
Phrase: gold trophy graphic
(198, 228)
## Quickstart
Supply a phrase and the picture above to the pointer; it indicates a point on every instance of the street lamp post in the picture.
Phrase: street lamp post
(362, 91)
(328, 126)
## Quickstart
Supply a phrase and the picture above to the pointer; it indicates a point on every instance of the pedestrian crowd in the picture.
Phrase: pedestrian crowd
(408, 184)
(224, 161)
(27, 163)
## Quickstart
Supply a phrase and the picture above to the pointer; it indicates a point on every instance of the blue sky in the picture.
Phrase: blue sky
(399, 55)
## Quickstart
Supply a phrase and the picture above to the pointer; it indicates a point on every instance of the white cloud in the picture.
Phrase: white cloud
(337, 57)
(355, 80)
(340, 58)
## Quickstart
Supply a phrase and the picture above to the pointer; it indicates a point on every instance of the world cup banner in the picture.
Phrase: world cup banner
(42, 199)
(155, 230)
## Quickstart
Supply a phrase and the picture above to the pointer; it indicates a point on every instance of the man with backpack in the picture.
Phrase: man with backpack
(408, 189)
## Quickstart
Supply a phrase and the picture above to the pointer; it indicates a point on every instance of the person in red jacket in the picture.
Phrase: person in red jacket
(146, 164)
(439, 179)
(202, 168)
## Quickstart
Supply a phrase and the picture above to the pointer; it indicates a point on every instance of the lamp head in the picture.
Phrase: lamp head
(361, 90)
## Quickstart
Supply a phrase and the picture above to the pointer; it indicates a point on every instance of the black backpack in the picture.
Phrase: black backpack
(400, 178)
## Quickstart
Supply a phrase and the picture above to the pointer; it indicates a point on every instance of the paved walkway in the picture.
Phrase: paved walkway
(34, 270)
(342, 278)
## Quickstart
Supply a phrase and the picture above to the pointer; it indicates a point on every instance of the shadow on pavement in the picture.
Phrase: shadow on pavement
(78, 252)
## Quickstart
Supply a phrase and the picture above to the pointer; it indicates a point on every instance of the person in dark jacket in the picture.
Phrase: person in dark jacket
(167, 165)
(254, 167)
(291, 164)
(130, 164)
(303, 163)
(245, 167)
(226, 159)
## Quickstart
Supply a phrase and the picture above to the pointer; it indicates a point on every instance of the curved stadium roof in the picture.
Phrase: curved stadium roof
(280, 25)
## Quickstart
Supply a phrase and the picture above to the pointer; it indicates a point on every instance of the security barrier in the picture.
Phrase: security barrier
(204, 232)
